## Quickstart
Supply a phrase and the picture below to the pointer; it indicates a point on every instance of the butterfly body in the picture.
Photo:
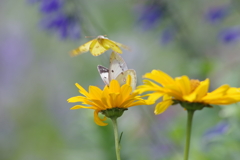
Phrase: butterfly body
(98, 46)
(118, 70)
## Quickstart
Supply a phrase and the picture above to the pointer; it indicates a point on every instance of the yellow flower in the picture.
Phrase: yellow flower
(113, 98)
(185, 91)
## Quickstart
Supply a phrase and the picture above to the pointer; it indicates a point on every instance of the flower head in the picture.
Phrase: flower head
(168, 35)
(231, 34)
(218, 13)
(151, 15)
(112, 101)
(66, 25)
(217, 130)
(48, 6)
(57, 19)
(190, 93)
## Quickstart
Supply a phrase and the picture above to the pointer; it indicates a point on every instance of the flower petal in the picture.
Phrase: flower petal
(129, 80)
(98, 120)
(190, 98)
(114, 86)
(234, 93)
(77, 99)
(125, 91)
(202, 89)
(162, 106)
(95, 92)
(153, 97)
(148, 86)
(160, 77)
(184, 84)
(137, 103)
(79, 107)
(82, 90)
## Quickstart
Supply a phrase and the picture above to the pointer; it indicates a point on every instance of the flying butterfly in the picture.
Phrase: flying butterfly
(118, 70)
(98, 46)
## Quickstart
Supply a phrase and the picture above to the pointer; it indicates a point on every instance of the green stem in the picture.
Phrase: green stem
(117, 145)
(188, 134)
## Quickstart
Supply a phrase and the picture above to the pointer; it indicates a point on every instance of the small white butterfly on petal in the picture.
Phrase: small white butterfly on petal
(118, 70)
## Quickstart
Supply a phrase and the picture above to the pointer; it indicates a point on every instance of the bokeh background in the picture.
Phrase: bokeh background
(200, 39)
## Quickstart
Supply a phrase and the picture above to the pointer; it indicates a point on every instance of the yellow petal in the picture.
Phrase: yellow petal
(98, 103)
(220, 90)
(148, 86)
(77, 99)
(174, 91)
(106, 98)
(82, 90)
(221, 101)
(201, 90)
(114, 86)
(128, 102)
(129, 80)
(95, 92)
(184, 85)
(162, 106)
(190, 98)
(114, 100)
(153, 97)
(234, 93)
(167, 97)
(138, 103)
(160, 77)
(79, 107)
(98, 120)
(125, 91)
(216, 94)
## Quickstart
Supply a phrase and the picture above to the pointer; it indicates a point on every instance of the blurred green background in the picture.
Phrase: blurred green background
(37, 76)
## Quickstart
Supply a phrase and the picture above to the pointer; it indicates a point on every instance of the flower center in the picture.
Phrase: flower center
(194, 84)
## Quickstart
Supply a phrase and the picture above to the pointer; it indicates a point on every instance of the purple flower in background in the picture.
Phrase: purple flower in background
(56, 20)
(168, 35)
(150, 15)
(217, 14)
(65, 25)
(220, 129)
(48, 6)
(214, 135)
(230, 34)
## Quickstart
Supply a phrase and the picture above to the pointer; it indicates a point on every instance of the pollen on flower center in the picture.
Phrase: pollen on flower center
(194, 84)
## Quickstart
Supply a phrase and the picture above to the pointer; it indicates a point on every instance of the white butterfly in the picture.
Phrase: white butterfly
(118, 70)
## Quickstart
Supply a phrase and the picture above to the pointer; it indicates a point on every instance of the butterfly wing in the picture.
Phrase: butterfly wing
(96, 48)
(104, 73)
(122, 78)
(107, 43)
(122, 45)
(117, 66)
(82, 49)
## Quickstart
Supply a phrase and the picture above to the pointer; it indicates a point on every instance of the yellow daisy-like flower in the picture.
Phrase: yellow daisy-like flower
(185, 91)
(111, 101)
